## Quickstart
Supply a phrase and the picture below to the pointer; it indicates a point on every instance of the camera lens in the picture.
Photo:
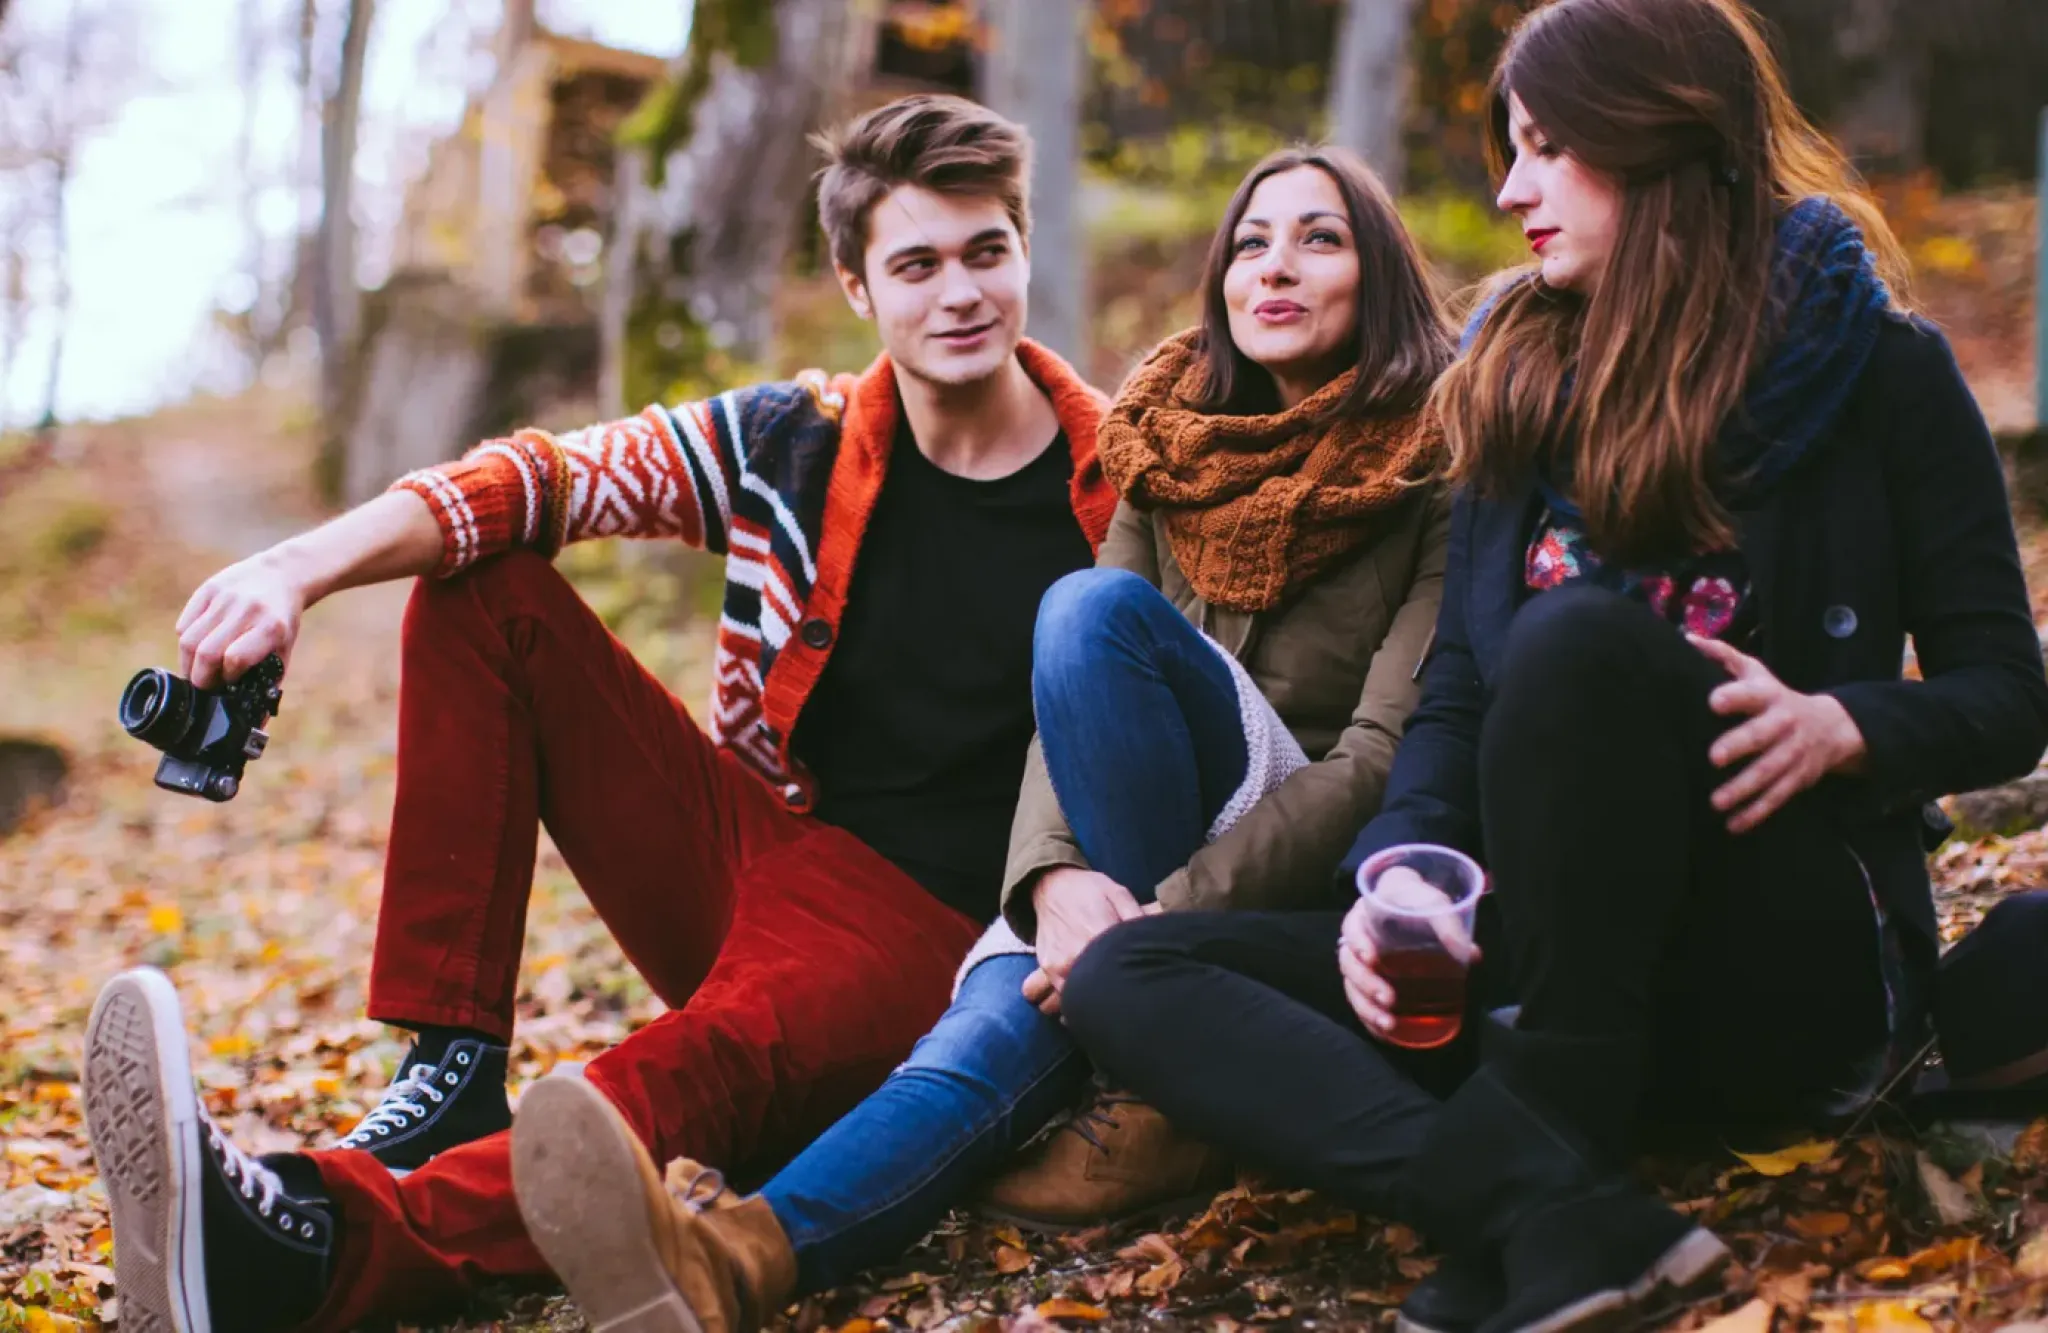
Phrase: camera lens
(156, 707)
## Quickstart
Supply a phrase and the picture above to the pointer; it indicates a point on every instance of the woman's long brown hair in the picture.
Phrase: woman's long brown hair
(1683, 104)
(1400, 343)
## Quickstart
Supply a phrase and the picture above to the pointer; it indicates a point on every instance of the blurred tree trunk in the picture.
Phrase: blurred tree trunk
(306, 175)
(517, 27)
(337, 301)
(711, 189)
(257, 329)
(1882, 122)
(65, 131)
(59, 84)
(60, 186)
(1369, 83)
(16, 223)
(1032, 74)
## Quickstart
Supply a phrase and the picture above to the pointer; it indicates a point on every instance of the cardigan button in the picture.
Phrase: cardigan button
(793, 796)
(816, 633)
(1839, 621)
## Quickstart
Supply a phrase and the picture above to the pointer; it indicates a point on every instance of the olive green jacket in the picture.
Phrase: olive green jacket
(1340, 661)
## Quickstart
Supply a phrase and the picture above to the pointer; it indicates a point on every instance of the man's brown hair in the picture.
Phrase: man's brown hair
(934, 141)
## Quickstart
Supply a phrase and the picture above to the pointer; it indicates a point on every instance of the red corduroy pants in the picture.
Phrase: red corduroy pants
(799, 965)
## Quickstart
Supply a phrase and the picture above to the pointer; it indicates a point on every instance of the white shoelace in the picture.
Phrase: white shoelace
(400, 1107)
(256, 1182)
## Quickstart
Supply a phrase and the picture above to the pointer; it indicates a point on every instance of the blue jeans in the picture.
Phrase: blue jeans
(1138, 718)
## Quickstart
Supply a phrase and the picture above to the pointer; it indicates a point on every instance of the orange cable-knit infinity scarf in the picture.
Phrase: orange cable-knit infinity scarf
(1256, 506)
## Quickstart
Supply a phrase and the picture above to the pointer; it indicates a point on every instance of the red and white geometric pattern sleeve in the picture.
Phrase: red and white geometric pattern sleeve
(658, 474)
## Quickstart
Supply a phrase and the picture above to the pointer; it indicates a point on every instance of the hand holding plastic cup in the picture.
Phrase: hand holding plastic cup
(1420, 900)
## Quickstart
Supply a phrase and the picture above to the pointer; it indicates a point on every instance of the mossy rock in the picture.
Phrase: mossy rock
(31, 777)
(2004, 812)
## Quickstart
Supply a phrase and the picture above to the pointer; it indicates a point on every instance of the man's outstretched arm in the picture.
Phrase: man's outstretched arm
(252, 608)
(663, 473)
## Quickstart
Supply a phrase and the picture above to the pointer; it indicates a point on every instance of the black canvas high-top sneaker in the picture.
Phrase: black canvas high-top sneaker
(207, 1239)
(449, 1090)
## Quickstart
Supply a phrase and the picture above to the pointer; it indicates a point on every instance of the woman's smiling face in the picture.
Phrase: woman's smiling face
(1292, 286)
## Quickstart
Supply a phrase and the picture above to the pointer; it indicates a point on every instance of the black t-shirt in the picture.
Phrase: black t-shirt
(917, 729)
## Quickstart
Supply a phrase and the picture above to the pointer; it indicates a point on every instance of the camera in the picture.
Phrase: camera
(207, 736)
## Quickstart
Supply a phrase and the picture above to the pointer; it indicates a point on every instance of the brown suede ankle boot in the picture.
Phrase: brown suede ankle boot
(638, 1254)
(1116, 1160)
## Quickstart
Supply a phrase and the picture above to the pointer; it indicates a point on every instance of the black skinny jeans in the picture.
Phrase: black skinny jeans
(1747, 967)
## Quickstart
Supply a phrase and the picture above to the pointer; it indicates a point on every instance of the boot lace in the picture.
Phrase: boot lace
(696, 1188)
(1096, 1116)
(257, 1184)
(400, 1109)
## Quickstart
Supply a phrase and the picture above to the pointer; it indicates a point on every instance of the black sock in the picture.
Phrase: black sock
(431, 1041)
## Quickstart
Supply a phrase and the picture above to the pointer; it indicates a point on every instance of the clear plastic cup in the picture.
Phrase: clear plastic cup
(1420, 900)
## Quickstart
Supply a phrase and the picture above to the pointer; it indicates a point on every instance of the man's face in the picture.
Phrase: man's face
(945, 283)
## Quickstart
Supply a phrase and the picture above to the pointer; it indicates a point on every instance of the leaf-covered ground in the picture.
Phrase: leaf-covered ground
(263, 910)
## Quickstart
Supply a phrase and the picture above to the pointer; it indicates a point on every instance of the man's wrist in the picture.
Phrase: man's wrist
(298, 563)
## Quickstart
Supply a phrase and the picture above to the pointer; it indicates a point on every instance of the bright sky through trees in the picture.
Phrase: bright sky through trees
(157, 241)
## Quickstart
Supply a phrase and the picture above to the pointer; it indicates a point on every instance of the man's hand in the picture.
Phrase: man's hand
(1791, 740)
(252, 609)
(239, 617)
(1074, 906)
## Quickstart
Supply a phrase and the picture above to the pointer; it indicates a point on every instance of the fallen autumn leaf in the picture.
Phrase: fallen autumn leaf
(1754, 1317)
(1785, 1161)
(1819, 1226)
(1062, 1308)
(1952, 1203)
(2032, 1260)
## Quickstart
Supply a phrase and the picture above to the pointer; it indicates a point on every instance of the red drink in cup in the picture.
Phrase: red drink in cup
(1420, 900)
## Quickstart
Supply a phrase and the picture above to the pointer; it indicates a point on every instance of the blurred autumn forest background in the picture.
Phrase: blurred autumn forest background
(257, 257)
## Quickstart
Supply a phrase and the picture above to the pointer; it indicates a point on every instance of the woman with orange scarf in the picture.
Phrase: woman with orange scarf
(1218, 703)
(1220, 699)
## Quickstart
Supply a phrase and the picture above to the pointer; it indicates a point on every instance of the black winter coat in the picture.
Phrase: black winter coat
(1895, 522)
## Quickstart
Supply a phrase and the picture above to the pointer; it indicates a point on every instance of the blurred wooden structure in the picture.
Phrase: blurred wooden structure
(506, 241)
(489, 318)
(516, 204)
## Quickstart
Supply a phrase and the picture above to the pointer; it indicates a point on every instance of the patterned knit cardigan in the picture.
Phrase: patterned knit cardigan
(778, 478)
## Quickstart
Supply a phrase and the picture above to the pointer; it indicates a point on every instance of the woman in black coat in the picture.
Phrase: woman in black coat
(1714, 475)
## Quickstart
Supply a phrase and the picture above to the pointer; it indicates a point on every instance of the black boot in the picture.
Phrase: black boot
(206, 1238)
(1458, 1297)
(1598, 1260)
(450, 1090)
(1528, 1163)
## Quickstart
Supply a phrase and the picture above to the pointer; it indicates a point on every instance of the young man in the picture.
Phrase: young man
(798, 878)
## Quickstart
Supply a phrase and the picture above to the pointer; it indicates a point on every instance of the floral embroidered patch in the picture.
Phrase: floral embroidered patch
(1709, 606)
(1558, 555)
